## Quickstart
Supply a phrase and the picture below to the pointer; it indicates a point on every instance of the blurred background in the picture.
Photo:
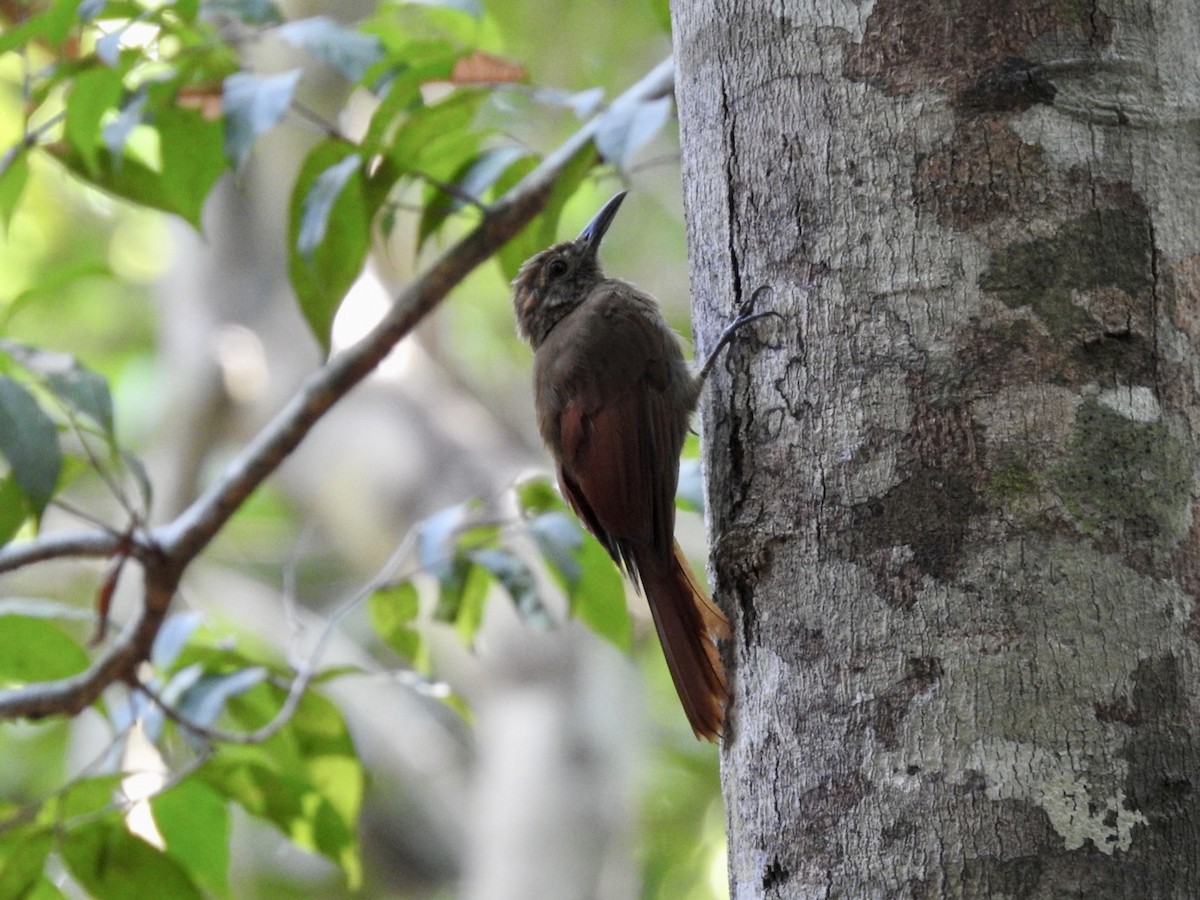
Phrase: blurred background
(576, 774)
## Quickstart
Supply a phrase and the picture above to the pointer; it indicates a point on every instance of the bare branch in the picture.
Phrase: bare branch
(167, 551)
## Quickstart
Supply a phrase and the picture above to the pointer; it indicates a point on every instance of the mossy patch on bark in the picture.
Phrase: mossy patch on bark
(1124, 477)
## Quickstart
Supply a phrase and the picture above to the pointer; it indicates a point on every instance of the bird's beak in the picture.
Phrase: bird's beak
(593, 233)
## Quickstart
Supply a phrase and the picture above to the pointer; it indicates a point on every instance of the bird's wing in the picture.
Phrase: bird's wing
(619, 432)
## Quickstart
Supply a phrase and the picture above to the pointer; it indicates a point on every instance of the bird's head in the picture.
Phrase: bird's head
(555, 281)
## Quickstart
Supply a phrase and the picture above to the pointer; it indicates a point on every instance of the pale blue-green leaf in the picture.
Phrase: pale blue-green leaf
(582, 103)
(252, 12)
(434, 537)
(108, 48)
(314, 215)
(350, 52)
(29, 441)
(516, 578)
(205, 702)
(89, 9)
(79, 388)
(559, 538)
(116, 133)
(628, 125)
(690, 492)
(254, 104)
(173, 637)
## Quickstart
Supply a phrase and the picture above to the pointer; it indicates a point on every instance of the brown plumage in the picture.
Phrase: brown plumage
(614, 398)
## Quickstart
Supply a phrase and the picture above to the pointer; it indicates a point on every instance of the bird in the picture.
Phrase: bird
(614, 398)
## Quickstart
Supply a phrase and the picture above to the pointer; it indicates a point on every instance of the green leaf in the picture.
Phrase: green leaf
(13, 178)
(579, 563)
(12, 510)
(29, 441)
(598, 597)
(306, 779)
(33, 649)
(518, 580)
(193, 158)
(473, 181)
(84, 798)
(52, 26)
(94, 93)
(543, 231)
(112, 864)
(470, 603)
(328, 232)
(77, 387)
(392, 612)
(319, 203)
(436, 140)
(348, 51)
(194, 822)
(254, 104)
(23, 853)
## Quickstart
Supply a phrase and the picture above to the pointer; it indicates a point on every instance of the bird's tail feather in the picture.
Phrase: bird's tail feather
(689, 624)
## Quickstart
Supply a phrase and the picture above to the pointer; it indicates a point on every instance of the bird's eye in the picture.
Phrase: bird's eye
(557, 268)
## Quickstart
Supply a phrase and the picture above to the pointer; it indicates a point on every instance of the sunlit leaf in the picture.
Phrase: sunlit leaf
(191, 161)
(324, 261)
(35, 649)
(436, 140)
(350, 52)
(23, 853)
(470, 603)
(13, 178)
(93, 94)
(115, 133)
(254, 104)
(306, 779)
(628, 125)
(194, 822)
(52, 26)
(393, 611)
(111, 863)
(29, 442)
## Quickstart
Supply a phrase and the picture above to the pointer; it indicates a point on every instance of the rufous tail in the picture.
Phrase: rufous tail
(689, 624)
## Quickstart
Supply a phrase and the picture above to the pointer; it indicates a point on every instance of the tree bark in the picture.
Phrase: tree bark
(952, 491)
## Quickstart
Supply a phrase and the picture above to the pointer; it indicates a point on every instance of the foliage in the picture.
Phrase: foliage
(151, 105)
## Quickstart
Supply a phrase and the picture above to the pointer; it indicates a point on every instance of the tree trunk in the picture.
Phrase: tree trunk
(952, 490)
